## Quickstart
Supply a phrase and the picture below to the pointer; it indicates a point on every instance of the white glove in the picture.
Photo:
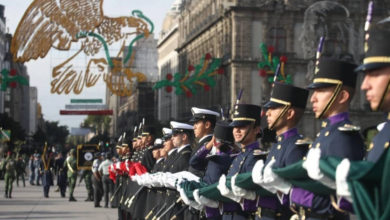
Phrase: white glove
(187, 201)
(257, 172)
(188, 176)
(170, 182)
(225, 191)
(269, 178)
(342, 171)
(312, 165)
(205, 201)
(241, 192)
(275, 182)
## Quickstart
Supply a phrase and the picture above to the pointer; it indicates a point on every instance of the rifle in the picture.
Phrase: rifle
(169, 208)
(179, 212)
(116, 191)
(151, 212)
(159, 211)
(135, 195)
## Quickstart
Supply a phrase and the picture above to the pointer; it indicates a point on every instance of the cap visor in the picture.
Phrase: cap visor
(371, 66)
(319, 85)
(272, 104)
(240, 123)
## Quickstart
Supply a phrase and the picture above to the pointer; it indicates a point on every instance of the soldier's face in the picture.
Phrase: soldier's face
(156, 154)
(177, 139)
(168, 144)
(319, 100)
(248, 132)
(143, 140)
(199, 129)
(163, 152)
(272, 116)
(374, 84)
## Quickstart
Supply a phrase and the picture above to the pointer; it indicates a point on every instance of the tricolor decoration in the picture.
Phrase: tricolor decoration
(86, 107)
(10, 79)
(269, 65)
(202, 75)
(82, 26)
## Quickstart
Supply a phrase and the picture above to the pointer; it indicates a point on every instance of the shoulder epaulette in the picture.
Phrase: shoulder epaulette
(260, 153)
(349, 128)
(304, 142)
(185, 152)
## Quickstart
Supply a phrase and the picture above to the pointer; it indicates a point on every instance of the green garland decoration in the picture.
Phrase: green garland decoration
(202, 75)
(270, 63)
(9, 79)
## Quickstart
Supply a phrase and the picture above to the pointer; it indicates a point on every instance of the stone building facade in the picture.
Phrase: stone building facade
(233, 30)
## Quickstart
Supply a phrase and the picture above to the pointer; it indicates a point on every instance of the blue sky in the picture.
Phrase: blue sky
(40, 70)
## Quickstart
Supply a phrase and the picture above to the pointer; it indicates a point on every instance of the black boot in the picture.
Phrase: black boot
(72, 199)
(9, 195)
(6, 194)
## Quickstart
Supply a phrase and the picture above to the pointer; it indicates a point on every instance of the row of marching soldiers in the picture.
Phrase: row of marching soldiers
(216, 169)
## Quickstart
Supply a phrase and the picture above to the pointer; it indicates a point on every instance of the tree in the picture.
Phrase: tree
(52, 133)
(56, 134)
(98, 123)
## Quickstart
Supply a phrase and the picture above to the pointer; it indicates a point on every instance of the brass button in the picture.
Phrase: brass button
(279, 138)
(273, 157)
(310, 145)
(304, 158)
(386, 145)
(370, 147)
(324, 124)
(327, 133)
(318, 145)
(279, 146)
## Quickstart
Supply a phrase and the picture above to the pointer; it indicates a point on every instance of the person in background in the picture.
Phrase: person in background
(107, 182)
(71, 165)
(87, 176)
(61, 174)
(20, 170)
(46, 168)
(97, 180)
(37, 162)
(9, 167)
(32, 169)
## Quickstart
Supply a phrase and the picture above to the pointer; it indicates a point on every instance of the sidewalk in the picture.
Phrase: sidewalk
(29, 203)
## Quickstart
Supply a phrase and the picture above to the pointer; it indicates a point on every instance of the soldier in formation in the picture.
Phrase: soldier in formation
(217, 169)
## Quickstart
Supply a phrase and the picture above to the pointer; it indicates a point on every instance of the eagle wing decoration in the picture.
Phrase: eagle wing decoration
(53, 23)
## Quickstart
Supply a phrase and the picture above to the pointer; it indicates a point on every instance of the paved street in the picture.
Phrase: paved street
(29, 203)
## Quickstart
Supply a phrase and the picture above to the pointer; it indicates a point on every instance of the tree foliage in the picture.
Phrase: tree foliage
(98, 123)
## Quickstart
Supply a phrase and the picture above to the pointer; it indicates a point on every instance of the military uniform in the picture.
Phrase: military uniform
(366, 181)
(147, 159)
(243, 115)
(285, 151)
(199, 114)
(334, 140)
(87, 176)
(71, 165)
(9, 166)
(176, 162)
(217, 163)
